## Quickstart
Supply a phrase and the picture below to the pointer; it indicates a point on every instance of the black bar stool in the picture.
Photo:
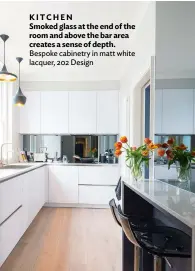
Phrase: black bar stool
(160, 241)
(137, 223)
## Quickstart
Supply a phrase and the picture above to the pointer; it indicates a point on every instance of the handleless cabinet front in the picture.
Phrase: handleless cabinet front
(63, 184)
(82, 112)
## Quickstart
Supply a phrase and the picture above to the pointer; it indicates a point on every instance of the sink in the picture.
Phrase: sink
(15, 167)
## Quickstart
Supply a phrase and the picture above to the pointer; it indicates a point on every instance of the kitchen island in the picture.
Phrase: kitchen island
(169, 202)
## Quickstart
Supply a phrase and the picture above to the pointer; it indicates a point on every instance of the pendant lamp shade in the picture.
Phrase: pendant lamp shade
(19, 99)
(6, 76)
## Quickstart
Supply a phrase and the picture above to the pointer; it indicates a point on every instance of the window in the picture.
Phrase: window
(6, 93)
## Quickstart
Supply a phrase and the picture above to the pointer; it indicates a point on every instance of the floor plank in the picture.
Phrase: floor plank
(68, 239)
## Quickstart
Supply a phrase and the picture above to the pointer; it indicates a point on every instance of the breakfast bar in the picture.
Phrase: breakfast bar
(167, 200)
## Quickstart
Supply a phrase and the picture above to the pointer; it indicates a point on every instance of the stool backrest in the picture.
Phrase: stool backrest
(124, 220)
(114, 211)
(118, 189)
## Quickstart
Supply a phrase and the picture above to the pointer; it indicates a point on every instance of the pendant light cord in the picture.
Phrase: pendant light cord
(4, 52)
(19, 75)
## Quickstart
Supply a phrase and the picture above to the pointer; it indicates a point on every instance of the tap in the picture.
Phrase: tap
(43, 148)
(2, 151)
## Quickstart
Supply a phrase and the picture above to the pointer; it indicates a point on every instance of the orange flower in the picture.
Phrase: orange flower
(118, 145)
(147, 141)
(123, 139)
(159, 145)
(170, 141)
(145, 153)
(152, 146)
(165, 145)
(118, 153)
(193, 153)
(134, 148)
(161, 152)
(182, 147)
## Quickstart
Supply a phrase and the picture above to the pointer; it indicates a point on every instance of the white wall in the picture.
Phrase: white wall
(138, 68)
(175, 39)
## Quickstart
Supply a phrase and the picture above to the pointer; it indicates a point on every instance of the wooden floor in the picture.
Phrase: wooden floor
(68, 239)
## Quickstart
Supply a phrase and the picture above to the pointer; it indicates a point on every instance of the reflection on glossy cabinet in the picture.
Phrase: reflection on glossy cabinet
(63, 184)
(177, 111)
(54, 112)
(107, 112)
(82, 112)
(30, 121)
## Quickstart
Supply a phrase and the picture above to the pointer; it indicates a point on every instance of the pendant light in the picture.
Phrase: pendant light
(6, 76)
(19, 99)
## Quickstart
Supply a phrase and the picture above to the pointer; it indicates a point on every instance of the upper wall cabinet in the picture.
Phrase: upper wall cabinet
(54, 112)
(82, 112)
(177, 111)
(30, 121)
(107, 112)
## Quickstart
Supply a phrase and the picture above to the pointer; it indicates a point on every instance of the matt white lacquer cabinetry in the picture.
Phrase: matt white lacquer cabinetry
(107, 112)
(30, 114)
(162, 172)
(63, 184)
(82, 112)
(99, 175)
(174, 111)
(95, 194)
(54, 112)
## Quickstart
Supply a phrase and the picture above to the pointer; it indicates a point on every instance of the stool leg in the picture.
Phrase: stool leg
(136, 258)
(157, 263)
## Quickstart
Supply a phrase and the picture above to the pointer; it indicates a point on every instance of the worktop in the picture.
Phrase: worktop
(6, 174)
(175, 200)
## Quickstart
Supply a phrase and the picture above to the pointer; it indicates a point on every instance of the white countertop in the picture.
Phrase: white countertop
(174, 200)
(6, 174)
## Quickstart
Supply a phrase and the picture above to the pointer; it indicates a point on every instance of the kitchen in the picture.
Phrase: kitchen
(58, 170)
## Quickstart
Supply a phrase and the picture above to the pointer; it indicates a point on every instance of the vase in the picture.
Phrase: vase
(136, 170)
(183, 172)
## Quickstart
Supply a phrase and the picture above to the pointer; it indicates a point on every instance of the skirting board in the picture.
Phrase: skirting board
(77, 205)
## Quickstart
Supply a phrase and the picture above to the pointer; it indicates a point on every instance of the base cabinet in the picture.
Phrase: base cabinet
(95, 194)
(162, 172)
(63, 184)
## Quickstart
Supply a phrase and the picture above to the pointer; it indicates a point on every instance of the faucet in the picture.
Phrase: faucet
(2, 152)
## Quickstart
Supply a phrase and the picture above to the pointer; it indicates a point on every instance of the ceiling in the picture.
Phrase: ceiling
(14, 18)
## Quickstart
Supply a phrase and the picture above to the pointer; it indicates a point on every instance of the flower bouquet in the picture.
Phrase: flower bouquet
(135, 156)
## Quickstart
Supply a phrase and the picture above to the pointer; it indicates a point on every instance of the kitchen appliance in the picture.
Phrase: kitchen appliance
(87, 160)
(39, 157)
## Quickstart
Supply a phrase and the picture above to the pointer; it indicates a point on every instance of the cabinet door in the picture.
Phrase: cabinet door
(96, 194)
(82, 112)
(10, 233)
(63, 184)
(158, 111)
(99, 175)
(11, 196)
(107, 112)
(30, 113)
(177, 111)
(54, 112)
(162, 172)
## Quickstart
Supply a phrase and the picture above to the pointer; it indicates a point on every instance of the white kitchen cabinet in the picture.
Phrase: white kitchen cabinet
(63, 184)
(158, 111)
(30, 113)
(162, 172)
(82, 112)
(107, 112)
(100, 195)
(54, 112)
(11, 197)
(99, 175)
(10, 233)
(177, 111)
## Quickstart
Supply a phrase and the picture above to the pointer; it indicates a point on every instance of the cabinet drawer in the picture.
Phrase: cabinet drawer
(10, 233)
(99, 175)
(11, 197)
(95, 194)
